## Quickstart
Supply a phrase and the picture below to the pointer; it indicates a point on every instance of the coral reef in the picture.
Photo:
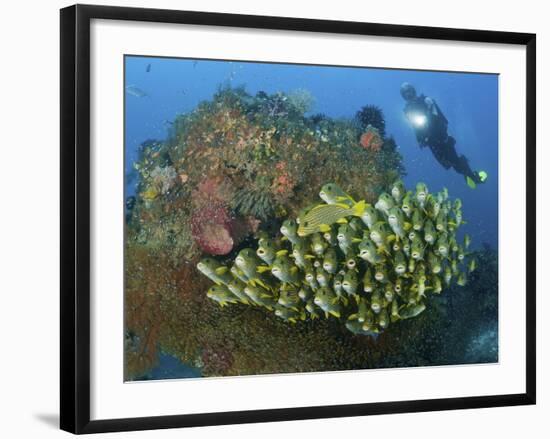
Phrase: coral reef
(216, 157)
(365, 265)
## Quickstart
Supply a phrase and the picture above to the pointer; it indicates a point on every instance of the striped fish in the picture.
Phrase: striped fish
(320, 218)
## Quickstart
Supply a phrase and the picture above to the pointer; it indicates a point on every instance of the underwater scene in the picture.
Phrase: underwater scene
(285, 218)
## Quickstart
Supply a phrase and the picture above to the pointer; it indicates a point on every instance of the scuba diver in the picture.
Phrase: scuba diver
(430, 126)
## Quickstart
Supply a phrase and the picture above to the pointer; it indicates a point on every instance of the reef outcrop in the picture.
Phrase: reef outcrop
(241, 164)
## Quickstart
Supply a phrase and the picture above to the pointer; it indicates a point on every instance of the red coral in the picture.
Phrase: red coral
(283, 184)
(371, 139)
(212, 188)
(212, 229)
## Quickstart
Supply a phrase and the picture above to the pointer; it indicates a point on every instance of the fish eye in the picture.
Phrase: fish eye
(306, 223)
(261, 251)
(329, 187)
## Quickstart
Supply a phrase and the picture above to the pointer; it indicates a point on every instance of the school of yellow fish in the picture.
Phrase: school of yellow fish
(366, 265)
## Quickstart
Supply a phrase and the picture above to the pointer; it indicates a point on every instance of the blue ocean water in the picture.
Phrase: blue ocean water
(468, 100)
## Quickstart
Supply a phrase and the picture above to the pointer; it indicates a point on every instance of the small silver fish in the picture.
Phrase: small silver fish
(135, 91)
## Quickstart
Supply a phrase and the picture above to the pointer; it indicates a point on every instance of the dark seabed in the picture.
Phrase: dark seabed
(219, 154)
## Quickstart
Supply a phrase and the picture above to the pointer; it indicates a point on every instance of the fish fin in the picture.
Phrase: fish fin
(309, 256)
(359, 208)
(391, 238)
(260, 282)
(407, 226)
(265, 296)
(262, 268)
(283, 252)
(324, 228)
(326, 314)
(284, 238)
(342, 205)
(353, 316)
(335, 301)
(292, 320)
(344, 199)
(356, 240)
(335, 314)
(342, 221)
(221, 270)
(294, 270)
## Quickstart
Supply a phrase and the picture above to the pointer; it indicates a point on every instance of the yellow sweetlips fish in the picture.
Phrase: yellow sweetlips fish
(321, 217)
(331, 193)
(321, 268)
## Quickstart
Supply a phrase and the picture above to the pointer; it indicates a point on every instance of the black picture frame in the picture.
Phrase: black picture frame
(75, 217)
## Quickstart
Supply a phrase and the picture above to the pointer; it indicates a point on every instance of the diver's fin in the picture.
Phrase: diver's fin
(482, 176)
(471, 183)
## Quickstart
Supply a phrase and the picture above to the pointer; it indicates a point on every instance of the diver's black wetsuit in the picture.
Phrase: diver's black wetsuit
(433, 133)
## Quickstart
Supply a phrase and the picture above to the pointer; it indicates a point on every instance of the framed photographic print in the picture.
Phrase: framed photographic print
(269, 218)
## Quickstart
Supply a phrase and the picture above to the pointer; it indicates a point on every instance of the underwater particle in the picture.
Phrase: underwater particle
(373, 116)
(212, 228)
(371, 139)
